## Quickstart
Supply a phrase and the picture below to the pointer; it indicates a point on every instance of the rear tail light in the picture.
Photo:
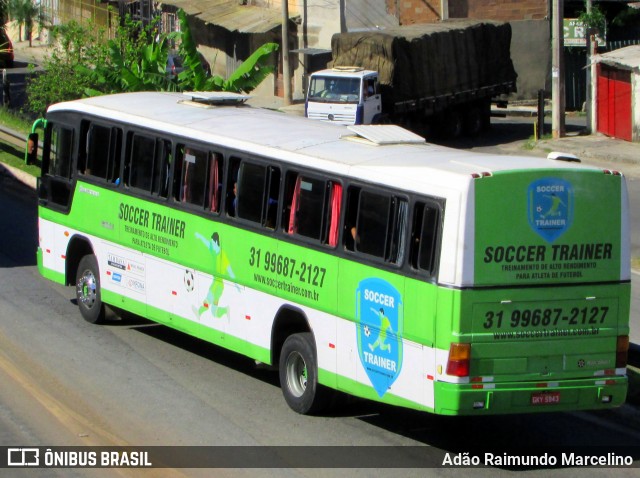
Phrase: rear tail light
(459, 358)
(622, 349)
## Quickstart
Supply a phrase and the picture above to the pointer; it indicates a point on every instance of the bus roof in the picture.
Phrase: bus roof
(422, 168)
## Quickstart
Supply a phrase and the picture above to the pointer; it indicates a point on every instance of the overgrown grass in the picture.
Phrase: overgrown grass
(13, 156)
(9, 153)
(15, 121)
(532, 142)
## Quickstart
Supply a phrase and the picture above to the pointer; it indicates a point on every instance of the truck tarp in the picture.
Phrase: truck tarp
(431, 60)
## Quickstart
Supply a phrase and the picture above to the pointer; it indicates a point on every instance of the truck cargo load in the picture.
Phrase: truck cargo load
(445, 72)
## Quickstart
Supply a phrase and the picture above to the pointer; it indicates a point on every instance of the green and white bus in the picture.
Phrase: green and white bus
(361, 259)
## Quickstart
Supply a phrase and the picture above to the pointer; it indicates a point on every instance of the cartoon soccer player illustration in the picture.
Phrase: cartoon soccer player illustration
(385, 324)
(221, 264)
(556, 202)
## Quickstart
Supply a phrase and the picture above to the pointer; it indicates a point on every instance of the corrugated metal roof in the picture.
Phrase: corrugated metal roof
(231, 15)
(627, 58)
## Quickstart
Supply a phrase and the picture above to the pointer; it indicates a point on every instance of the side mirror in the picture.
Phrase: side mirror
(31, 156)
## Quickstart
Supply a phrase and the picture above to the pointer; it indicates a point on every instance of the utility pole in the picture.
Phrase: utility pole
(557, 70)
(286, 70)
(590, 72)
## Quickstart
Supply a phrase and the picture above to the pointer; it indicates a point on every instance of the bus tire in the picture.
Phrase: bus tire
(88, 290)
(298, 371)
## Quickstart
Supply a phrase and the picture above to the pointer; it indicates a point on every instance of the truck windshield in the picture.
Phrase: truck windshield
(334, 89)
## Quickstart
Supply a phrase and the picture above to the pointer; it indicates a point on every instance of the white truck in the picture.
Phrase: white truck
(440, 76)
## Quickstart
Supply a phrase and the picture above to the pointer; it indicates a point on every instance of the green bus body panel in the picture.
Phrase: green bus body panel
(516, 398)
(557, 226)
(541, 333)
(518, 334)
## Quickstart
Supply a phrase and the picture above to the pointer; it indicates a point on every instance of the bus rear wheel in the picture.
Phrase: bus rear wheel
(299, 375)
(88, 290)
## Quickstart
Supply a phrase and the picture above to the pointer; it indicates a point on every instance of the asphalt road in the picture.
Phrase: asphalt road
(66, 382)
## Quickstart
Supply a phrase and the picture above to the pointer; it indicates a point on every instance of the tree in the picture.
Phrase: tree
(61, 79)
(24, 12)
(137, 62)
(84, 64)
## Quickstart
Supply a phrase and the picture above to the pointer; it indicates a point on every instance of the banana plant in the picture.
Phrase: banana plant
(243, 80)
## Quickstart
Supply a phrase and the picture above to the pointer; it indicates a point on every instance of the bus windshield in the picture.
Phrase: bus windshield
(334, 89)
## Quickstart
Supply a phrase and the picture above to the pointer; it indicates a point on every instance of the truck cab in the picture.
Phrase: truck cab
(344, 95)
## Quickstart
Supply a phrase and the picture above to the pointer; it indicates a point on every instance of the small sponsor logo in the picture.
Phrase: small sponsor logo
(117, 262)
(135, 284)
(135, 267)
(116, 277)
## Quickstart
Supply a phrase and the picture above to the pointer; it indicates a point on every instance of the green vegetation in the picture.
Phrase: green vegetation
(532, 142)
(25, 12)
(15, 121)
(83, 63)
(14, 156)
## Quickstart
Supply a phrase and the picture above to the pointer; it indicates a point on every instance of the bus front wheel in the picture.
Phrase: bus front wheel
(88, 290)
(299, 375)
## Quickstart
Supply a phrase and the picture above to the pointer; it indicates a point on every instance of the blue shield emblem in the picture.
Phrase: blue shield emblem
(550, 204)
(379, 316)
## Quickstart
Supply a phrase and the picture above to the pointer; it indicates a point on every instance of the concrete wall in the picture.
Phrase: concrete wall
(531, 55)
(502, 10)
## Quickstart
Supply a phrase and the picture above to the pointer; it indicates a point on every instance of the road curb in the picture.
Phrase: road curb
(19, 175)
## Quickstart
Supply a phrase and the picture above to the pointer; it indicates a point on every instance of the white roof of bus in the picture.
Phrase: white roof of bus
(423, 168)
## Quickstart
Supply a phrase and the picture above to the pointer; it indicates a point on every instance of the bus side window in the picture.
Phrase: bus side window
(60, 153)
(101, 153)
(250, 191)
(424, 233)
(373, 223)
(231, 191)
(141, 162)
(214, 187)
(313, 208)
(194, 176)
(270, 215)
(349, 233)
(380, 227)
(161, 168)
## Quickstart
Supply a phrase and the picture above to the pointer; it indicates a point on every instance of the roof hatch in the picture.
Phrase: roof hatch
(383, 134)
(213, 98)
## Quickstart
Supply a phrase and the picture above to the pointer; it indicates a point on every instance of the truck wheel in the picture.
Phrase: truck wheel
(473, 122)
(299, 375)
(88, 290)
(453, 124)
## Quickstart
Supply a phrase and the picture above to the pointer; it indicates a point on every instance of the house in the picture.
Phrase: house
(617, 98)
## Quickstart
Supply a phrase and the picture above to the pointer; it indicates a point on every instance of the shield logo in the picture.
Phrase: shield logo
(550, 204)
(379, 316)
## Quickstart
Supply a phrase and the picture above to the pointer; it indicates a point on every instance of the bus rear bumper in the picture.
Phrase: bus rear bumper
(494, 399)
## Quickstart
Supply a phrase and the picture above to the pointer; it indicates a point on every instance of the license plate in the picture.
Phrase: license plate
(545, 398)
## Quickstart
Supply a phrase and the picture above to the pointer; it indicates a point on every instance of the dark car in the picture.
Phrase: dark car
(6, 50)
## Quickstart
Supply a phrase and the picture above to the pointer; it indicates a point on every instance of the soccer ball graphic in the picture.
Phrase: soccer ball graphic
(367, 331)
(189, 280)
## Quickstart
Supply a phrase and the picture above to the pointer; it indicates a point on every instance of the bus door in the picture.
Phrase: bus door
(56, 184)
